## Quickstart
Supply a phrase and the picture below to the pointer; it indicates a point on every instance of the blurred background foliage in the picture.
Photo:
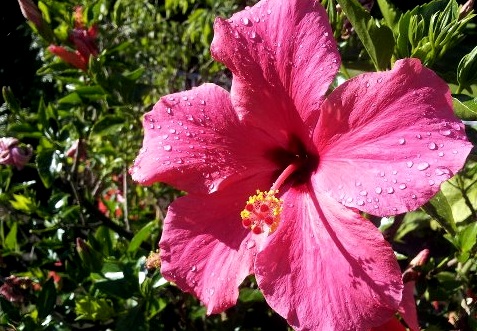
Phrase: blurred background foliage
(78, 238)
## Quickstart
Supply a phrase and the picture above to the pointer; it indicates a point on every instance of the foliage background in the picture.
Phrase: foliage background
(75, 231)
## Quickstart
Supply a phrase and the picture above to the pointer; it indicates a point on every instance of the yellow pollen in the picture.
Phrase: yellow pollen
(262, 212)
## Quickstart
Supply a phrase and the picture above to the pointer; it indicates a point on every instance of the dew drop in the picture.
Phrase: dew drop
(245, 21)
(441, 154)
(422, 166)
(390, 190)
(455, 151)
(445, 132)
(413, 197)
(382, 174)
(432, 146)
(326, 34)
(202, 102)
(367, 84)
(378, 190)
(252, 35)
(360, 202)
(172, 130)
(401, 141)
(167, 148)
(402, 186)
(380, 79)
(418, 136)
(269, 11)
(169, 110)
(363, 193)
(409, 164)
(431, 182)
(193, 268)
(395, 172)
(151, 125)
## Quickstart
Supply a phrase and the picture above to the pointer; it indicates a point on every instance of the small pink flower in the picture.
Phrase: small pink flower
(11, 153)
(381, 143)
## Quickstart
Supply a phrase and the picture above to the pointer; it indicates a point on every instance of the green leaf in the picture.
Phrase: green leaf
(391, 14)
(465, 107)
(11, 239)
(95, 309)
(48, 163)
(378, 40)
(108, 125)
(47, 299)
(10, 99)
(142, 235)
(467, 69)
(461, 192)
(71, 99)
(468, 237)
(439, 209)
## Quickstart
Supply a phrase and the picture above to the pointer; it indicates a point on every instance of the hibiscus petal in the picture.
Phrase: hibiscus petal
(328, 268)
(205, 249)
(194, 141)
(283, 57)
(408, 309)
(387, 140)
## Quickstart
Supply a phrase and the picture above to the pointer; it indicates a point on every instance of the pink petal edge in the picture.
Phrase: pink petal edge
(394, 138)
(283, 57)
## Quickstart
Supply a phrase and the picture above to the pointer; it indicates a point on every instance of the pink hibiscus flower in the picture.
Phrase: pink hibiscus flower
(381, 143)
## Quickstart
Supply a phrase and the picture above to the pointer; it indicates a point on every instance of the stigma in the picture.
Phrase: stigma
(262, 212)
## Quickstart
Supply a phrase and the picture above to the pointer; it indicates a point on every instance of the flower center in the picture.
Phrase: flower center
(262, 212)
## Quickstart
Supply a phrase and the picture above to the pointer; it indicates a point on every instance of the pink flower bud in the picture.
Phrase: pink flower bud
(31, 12)
(13, 154)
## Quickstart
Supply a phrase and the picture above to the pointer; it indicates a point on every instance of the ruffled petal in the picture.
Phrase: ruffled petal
(327, 268)
(387, 140)
(194, 141)
(283, 57)
(205, 249)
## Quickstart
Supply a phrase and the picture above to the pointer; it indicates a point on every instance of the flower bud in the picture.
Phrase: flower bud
(13, 154)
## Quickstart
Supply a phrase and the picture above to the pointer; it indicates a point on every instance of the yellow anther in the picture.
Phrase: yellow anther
(262, 212)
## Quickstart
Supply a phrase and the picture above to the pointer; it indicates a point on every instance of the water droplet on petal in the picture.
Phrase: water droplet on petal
(167, 148)
(401, 141)
(432, 145)
(172, 130)
(378, 190)
(360, 202)
(422, 166)
(363, 193)
(245, 21)
(409, 164)
(193, 268)
(414, 196)
(250, 244)
(252, 35)
(455, 151)
(446, 132)
(441, 154)
(431, 182)
(418, 136)
(390, 190)
(402, 186)
(169, 110)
